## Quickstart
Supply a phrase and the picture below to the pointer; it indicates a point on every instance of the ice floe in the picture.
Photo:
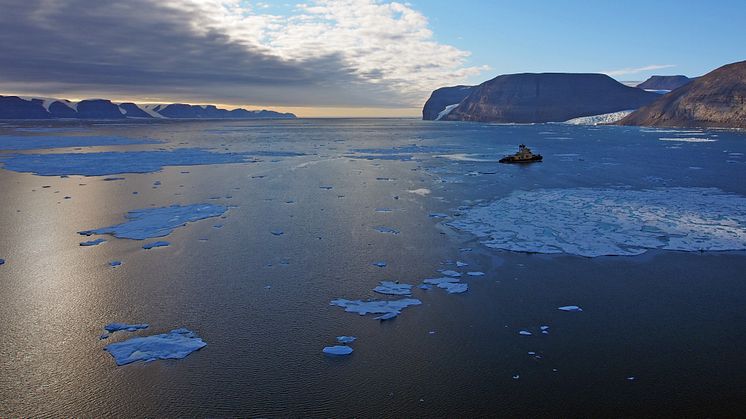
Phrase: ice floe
(387, 309)
(11, 142)
(570, 308)
(451, 273)
(384, 229)
(158, 222)
(152, 245)
(346, 339)
(475, 273)
(393, 288)
(688, 139)
(115, 327)
(108, 163)
(454, 287)
(176, 344)
(337, 350)
(596, 222)
(380, 264)
(420, 191)
(92, 242)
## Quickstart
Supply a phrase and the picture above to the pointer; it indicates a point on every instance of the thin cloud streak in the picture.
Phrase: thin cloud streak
(636, 70)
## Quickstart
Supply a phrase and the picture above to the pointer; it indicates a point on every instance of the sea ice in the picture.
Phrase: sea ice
(159, 222)
(346, 339)
(10, 142)
(460, 264)
(380, 264)
(596, 222)
(420, 192)
(525, 333)
(454, 287)
(384, 229)
(151, 245)
(688, 140)
(570, 308)
(176, 344)
(110, 162)
(337, 350)
(92, 242)
(388, 309)
(475, 273)
(277, 232)
(451, 273)
(438, 281)
(115, 327)
(393, 288)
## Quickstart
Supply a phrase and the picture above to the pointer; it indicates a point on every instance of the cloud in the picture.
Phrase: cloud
(324, 53)
(636, 70)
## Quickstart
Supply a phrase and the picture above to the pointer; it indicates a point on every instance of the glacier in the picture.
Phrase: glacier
(616, 221)
(147, 223)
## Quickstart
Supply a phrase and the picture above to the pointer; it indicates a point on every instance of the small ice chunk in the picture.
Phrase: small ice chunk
(393, 288)
(438, 281)
(454, 287)
(115, 327)
(384, 229)
(2, 261)
(151, 245)
(475, 273)
(525, 333)
(438, 215)
(420, 192)
(115, 263)
(176, 344)
(544, 328)
(570, 308)
(631, 378)
(460, 264)
(92, 242)
(277, 232)
(346, 339)
(327, 187)
(380, 264)
(337, 350)
(451, 273)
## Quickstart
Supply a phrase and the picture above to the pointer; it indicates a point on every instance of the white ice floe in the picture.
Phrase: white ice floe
(337, 350)
(606, 118)
(115, 327)
(454, 287)
(158, 222)
(525, 333)
(420, 191)
(596, 222)
(451, 273)
(346, 339)
(176, 344)
(460, 264)
(393, 288)
(387, 309)
(688, 140)
(475, 273)
(570, 308)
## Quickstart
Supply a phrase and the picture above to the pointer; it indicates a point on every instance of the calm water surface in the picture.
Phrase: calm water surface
(672, 320)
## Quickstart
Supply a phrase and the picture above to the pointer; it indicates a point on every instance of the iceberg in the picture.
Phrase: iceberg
(337, 350)
(176, 344)
(597, 222)
(111, 162)
(570, 308)
(380, 264)
(115, 327)
(346, 339)
(158, 222)
(11, 142)
(388, 309)
(393, 288)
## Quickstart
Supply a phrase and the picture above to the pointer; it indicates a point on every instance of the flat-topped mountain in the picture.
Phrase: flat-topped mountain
(14, 107)
(443, 98)
(547, 97)
(717, 99)
(664, 82)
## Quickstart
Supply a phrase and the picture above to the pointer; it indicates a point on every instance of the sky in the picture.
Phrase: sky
(345, 57)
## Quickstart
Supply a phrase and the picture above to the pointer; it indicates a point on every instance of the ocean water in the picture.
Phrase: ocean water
(313, 205)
